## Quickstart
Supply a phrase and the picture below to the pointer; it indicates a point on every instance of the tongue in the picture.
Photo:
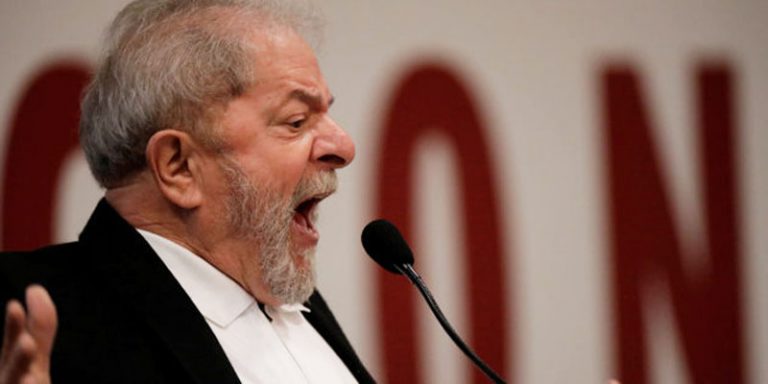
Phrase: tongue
(301, 220)
(307, 234)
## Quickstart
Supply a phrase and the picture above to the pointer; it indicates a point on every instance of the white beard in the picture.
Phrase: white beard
(261, 215)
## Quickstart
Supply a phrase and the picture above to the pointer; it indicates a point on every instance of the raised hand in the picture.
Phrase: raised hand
(28, 339)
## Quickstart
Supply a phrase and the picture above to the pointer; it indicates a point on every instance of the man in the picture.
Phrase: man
(207, 123)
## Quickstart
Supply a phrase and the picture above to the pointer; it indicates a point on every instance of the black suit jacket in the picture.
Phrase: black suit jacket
(123, 318)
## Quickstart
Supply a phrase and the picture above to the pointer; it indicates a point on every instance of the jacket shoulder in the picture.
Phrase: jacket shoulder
(51, 254)
(18, 269)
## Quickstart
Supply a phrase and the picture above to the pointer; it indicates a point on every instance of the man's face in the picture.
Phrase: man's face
(282, 148)
(266, 219)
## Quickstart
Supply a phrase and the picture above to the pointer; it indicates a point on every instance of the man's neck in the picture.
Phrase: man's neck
(143, 206)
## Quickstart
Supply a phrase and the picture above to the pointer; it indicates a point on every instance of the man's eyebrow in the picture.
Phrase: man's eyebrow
(313, 99)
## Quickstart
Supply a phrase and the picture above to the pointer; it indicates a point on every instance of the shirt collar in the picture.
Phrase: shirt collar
(289, 308)
(215, 295)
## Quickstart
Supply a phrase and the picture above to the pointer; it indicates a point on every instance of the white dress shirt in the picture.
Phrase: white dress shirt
(285, 349)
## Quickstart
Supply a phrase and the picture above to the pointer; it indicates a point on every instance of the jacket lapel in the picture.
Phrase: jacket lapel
(324, 322)
(130, 265)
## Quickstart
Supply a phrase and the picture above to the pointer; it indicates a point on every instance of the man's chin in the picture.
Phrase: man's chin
(298, 295)
(304, 259)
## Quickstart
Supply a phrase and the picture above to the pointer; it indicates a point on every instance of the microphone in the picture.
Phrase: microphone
(384, 243)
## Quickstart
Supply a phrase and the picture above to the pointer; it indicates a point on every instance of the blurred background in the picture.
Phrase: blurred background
(582, 182)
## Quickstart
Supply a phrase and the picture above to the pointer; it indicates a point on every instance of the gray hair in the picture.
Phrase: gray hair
(173, 64)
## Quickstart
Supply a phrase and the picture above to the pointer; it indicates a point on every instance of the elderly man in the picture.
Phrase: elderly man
(207, 124)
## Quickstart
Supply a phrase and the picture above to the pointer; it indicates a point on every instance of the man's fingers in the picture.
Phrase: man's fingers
(20, 359)
(28, 338)
(42, 320)
(15, 320)
(29, 379)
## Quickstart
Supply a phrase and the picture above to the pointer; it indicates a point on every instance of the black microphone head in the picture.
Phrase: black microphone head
(384, 243)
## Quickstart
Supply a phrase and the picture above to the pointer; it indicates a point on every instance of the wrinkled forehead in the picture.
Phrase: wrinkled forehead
(279, 52)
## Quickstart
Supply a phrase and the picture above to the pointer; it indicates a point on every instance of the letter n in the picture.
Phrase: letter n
(646, 247)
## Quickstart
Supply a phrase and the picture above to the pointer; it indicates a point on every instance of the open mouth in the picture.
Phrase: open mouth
(305, 214)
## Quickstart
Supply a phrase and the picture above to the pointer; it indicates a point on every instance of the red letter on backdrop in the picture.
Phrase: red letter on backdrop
(43, 133)
(646, 246)
(431, 98)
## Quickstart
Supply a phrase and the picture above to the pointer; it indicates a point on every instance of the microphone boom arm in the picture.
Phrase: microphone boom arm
(407, 270)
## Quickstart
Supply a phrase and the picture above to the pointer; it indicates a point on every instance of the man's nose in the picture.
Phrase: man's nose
(333, 146)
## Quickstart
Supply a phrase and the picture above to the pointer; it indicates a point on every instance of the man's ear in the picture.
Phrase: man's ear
(175, 161)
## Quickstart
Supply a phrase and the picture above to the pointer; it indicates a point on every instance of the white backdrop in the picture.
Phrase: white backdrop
(534, 68)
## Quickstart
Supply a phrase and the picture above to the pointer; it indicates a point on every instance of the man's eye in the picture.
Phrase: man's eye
(297, 123)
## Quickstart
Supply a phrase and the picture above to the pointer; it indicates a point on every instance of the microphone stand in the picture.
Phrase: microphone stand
(407, 270)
